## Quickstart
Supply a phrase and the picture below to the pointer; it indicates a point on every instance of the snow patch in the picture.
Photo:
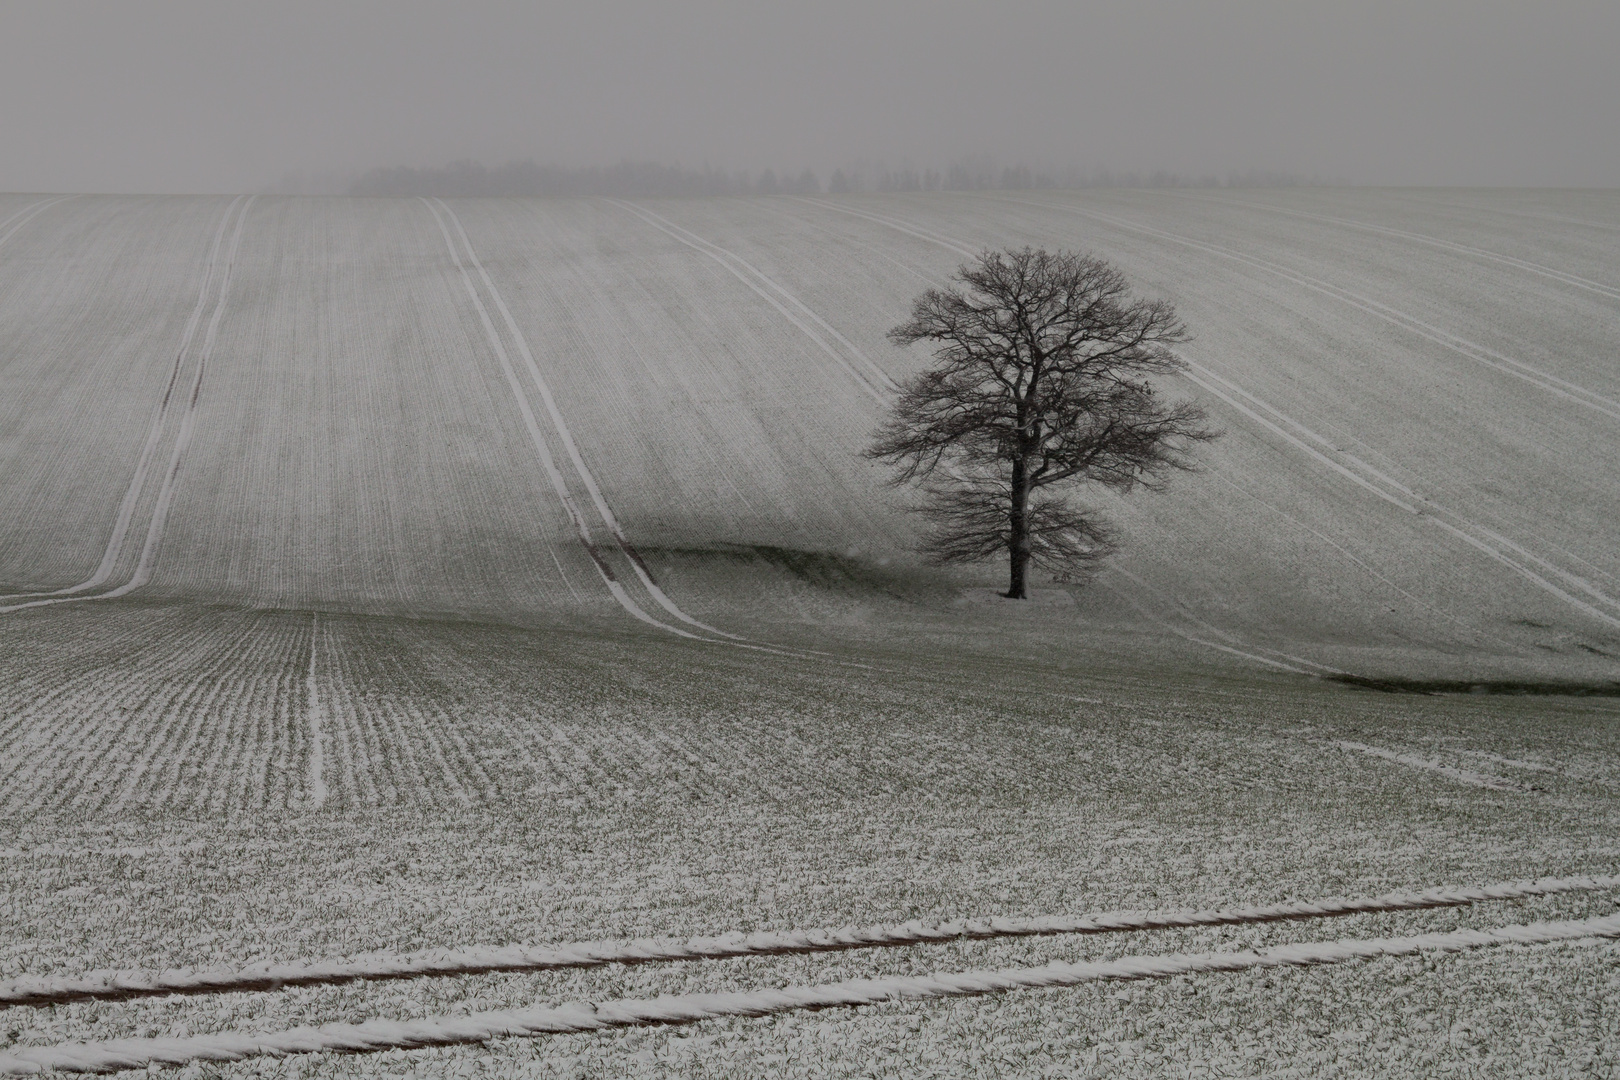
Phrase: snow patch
(1461, 776)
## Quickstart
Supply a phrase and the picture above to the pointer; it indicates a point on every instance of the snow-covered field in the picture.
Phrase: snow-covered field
(389, 575)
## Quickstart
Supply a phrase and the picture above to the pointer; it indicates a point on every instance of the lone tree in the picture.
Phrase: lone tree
(1041, 386)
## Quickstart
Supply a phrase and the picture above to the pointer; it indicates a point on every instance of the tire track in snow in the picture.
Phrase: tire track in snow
(1608, 291)
(1515, 557)
(317, 735)
(160, 510)
(1380, 484)
(586, 478)
(968, 253)
(904, 268)
(876, 383)
(1312, 667)
(1358, 563)
(43, 991)
(459, 1030)
(1542, 380)
(1415, 761)
(1453, 204)
(9, 227)
(132, 494)
(558, 484)
(899, 226)
(742, 269)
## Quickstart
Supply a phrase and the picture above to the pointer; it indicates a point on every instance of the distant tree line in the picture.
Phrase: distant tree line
(626, 180)
(650, 179)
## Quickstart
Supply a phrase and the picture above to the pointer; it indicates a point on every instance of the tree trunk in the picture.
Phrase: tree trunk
(1018, 534)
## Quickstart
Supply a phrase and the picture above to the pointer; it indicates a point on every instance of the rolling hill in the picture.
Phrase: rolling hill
(389, 575)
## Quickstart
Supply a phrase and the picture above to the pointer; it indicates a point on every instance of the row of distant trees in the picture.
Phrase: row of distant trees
(649, 179)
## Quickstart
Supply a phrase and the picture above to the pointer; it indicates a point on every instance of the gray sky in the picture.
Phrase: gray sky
(221, 96)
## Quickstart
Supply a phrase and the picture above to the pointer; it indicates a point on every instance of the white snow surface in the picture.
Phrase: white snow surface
(618, 636)
(115, 985)
(376, 1035)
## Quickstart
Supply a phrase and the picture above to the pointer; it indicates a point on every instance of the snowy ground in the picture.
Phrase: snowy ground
(422, 408)
(306, 659)
(623, 786)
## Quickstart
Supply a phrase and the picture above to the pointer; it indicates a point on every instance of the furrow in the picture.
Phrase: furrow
(154, 533)
(81, 749)
(1377, 482)
(560, 426)
(875, 381)
(115, 985)
(1543, 380)
(1364, 475)
(548, 464)
(132, 494)
(1564, 277)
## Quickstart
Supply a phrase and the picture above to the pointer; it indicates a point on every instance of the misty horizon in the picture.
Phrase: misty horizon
(191, 97)
(651, 179)
(908, 538)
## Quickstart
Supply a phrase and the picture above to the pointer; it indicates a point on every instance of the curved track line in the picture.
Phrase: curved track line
(532, 425)
(800, 219)
(27, 214)
(1608, 291)
(561, 427)
(715, 251)
(1196, 640)
(317, 737)
(1542, 380)
(899, 226)
(966, 252)
(1414, 761)
(727, 259)
(1201, 375)
(721, 256)
(1358, 563)
(1180, 609)
(375, 1035)
(882, 377)
(1429, 510)
(17, 214)
(160, 511)
(120, 986)
(132, 495)
(1477, 208)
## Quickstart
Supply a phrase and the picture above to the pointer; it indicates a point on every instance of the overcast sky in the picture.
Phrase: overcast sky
(218, 96)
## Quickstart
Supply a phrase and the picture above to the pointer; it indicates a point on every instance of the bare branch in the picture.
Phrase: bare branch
(1041, 379)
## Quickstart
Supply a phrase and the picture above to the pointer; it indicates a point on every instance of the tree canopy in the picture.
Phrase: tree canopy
(1041, 385)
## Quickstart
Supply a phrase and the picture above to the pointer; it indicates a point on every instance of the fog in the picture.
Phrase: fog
(190, 97)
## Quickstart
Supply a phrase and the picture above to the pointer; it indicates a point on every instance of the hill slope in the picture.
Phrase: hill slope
(513, 408)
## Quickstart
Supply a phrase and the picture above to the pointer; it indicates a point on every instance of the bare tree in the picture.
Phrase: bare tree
(1041, 386)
